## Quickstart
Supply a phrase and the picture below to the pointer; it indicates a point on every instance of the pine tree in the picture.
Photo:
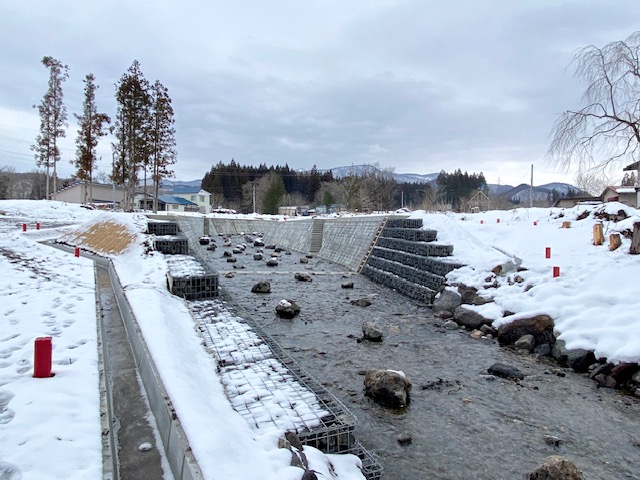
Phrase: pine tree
(53, 120)
(133, 125)
(91, 126)
(163, 141)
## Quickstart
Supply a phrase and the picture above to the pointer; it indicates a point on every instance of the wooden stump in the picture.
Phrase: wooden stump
(635, 239)
(566, 224)
(598, 236)
(614, 241)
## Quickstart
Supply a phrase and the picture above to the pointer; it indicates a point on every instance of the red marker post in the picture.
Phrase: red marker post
(42, 357)
(547, 252)
(76, 252)
(38, 226)
(24, 227)
(556, 272)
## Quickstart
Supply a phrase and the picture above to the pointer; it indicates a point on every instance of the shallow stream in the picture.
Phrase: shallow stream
(464, 424)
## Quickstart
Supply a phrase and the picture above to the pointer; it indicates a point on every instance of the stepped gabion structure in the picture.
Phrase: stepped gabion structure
(162, 227)
(189, 278)
(171, 244)
(268, 388)
(406, 258)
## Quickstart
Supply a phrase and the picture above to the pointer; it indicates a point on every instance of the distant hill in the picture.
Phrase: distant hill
(360, 170)
(179, 183)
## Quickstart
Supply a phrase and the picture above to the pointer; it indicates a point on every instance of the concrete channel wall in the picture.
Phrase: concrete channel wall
(345, 241)
(176, 445)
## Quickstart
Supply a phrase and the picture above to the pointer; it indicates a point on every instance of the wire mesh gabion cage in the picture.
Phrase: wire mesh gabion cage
(269, 388)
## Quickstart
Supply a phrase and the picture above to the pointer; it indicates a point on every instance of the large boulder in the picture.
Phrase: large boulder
(505, 371)
(578, 359)
(447, 300)
(261, 287)
(556, 467)
(469, 318)
(372, 332)
(287, 308)
(303, 277)
(387, 387)
(539, 326)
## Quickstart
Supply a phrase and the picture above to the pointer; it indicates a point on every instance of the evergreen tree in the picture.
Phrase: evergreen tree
(90, 128)
(273, 196)
(133, 125)
(53, 120)
(163, 140)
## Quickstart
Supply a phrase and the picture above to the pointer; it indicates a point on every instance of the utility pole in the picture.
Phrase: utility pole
(253, 185)
(531, 189)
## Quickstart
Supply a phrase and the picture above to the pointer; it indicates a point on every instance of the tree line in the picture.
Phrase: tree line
(144, 147)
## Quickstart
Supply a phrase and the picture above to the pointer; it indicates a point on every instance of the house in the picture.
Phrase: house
(626, 195)
(196, 195)
(478, 202)
(93, 193)
(172, 203)
(570, 202)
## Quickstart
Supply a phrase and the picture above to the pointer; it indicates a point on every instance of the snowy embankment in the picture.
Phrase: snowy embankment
(50, 292)
(593, 301)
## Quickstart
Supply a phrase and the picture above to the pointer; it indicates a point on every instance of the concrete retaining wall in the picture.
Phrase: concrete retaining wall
(182, 462)
(345, 241)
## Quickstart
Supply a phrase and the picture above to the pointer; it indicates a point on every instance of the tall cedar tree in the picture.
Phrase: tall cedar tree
(133, 124)
(163, 138)
(53, 120)
(91, 126)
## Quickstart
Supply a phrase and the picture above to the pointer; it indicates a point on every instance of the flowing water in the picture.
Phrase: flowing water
(464, 424)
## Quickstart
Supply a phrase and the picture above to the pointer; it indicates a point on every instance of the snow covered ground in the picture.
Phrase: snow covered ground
(47, 292)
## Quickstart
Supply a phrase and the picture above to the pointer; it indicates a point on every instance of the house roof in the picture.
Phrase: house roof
(633, 166)
(170, 199)
(182, 190)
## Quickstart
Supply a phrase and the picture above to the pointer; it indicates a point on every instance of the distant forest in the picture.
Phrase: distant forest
(264, 189)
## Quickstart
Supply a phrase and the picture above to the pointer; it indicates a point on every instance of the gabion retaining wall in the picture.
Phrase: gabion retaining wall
(404, 223)
(412, 275)
(411, 290)
(411, 234)
(171, 245)
(435, 265)
(416, 248)
(155, 227)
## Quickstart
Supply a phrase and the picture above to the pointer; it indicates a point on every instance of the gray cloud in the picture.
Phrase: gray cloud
(414, 85)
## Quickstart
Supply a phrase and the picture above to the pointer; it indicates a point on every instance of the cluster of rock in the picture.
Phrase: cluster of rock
(535, 335)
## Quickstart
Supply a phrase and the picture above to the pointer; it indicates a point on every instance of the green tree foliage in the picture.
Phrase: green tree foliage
(91, 126)
(163, 141)
(133, 126)
(453, 187)
(53, 120)
(227, 182)
(273, 196)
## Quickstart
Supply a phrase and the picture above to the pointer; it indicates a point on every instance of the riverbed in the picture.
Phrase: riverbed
(464, 423)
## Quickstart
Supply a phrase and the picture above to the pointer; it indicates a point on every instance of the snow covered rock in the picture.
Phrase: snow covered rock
(387, 387)
(287, 309)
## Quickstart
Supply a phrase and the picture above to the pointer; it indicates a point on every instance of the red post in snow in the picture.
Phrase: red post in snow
(556, 272)
(497, 220)
(24, 227)
(547, 252)
(535, 223)
(42, 357)
(38, 226)
(76, 252)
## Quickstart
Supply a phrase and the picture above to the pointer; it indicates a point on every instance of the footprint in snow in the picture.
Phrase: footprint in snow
(6, 414)
(10, 337)
(23, 366)
(79, 343)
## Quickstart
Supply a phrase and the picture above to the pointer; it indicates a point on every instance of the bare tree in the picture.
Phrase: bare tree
(607, 125)
(593, 179)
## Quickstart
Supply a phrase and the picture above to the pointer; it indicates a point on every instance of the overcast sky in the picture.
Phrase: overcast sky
(418, 86)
